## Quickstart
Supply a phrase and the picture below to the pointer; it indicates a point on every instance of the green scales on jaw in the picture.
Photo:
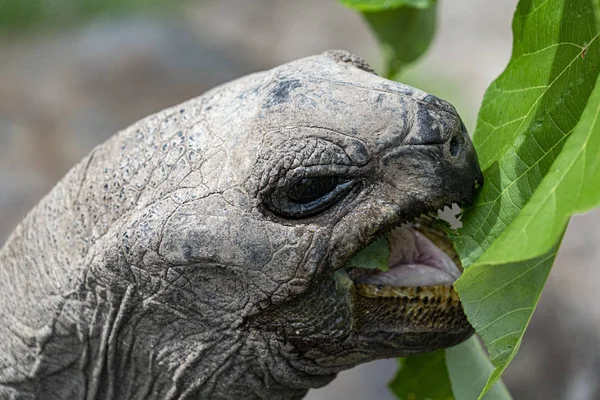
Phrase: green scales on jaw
(414, 255)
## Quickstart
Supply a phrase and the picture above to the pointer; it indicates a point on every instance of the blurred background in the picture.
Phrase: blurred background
(73, 72)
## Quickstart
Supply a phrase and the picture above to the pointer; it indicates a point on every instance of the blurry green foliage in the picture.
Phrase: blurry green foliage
(415, 375)
(403, 28)
(385, 5)
(404, 35)
(20, 15)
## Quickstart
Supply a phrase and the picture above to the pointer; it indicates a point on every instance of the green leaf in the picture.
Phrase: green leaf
(373, 257)
(404, 34)
(404, 28)
(459, 372)
(540, 160)
(381, 5)
(422, 377)
(571, 186)
(528, 113)
(499, 301)
(469, 368)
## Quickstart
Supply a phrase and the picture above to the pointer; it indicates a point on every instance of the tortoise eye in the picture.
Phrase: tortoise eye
(306, 197)
(307, 190)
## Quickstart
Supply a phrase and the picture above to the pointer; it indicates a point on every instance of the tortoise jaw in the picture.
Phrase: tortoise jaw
(406, 310)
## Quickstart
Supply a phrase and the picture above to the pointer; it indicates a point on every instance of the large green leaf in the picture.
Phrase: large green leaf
(571, 186)
(404, 28)
(459, 372)
(500, 314)
(423, 377)
(528, 113)
(469, 368)
(540, 161)
(499, 301)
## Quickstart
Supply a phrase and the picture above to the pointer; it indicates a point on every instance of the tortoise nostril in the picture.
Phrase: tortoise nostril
(455, 147)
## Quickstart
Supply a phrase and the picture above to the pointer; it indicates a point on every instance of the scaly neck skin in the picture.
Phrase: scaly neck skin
(120, 352)
(159, 356)
(81, 319)
(159, 352)
(39, 268)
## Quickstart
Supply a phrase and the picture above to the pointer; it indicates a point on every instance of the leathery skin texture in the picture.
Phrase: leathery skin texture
(172, 263)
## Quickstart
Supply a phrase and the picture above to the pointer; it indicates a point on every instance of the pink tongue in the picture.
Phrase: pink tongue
(415, 261)
(410, 275)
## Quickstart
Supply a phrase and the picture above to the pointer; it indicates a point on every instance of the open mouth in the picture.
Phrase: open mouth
(404, 298)
(420, 260)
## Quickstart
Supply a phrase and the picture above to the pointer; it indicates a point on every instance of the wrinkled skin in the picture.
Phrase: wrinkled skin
(168, 264)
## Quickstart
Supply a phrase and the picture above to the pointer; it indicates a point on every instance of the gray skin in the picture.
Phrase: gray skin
(172, 263)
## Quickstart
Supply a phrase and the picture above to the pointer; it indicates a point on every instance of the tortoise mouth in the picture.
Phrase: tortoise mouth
(418, 255)
(411, 306)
